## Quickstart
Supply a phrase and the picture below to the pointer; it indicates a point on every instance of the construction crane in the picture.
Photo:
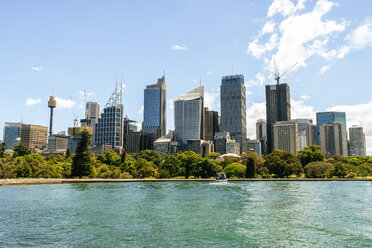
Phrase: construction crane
(278, 75)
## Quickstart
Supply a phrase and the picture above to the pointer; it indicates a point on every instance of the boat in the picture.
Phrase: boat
(221, 177)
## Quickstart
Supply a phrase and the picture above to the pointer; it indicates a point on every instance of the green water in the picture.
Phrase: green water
(188, 214)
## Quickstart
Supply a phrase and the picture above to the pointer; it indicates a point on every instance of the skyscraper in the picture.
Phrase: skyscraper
(211, 126)
(34, 136)
(331, 139)
(286, 136)
(261, 134)
(12, 131)
(336, 117)
(357, 141)
(91, 114)
(188, 116)
(109, 128)
(233, 109)
(303, 128)
(155, 109)
(278, 108)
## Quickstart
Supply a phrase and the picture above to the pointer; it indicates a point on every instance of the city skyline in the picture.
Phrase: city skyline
(39, 64)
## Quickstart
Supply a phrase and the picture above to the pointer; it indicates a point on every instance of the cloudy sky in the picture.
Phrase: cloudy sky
(68, 47)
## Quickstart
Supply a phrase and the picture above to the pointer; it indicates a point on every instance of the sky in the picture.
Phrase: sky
(68, 47)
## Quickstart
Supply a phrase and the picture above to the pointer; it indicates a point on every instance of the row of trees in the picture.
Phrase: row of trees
(310, 162)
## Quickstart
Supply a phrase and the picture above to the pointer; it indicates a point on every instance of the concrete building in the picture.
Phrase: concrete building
(303, 126)
(189, 116)
(58, 142)
(312, 135)
(129, 127)
(34, 136)
(357, 141)
(286, 136)
(137, 141)
(211, 123)
(155, 110)
(198, 146)
(336, 117)
(75, 137)
(278, 108)
(110, 125)
(92, 112)
(12, 131)
(331, 139)
(254, 146)
(261, 134)
(165, 144)
(233, 109)
(223, 144)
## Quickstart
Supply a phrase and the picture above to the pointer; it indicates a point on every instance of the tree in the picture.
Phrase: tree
(21, 150)
(251, 160)
(171, 164)
(235, 170)
(206, 168)
(339, 170)
(123, 157)
(82, 162)
(318, 170)
(310, 154)
(213, 155)
(68, 153)
(283, 164)
(110, 157)
(151, 156)
(2, 149)
(364, 170)
(188, 160)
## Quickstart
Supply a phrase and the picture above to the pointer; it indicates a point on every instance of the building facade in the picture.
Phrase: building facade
(261, 135)
(312, 135)
(137, 141)
(189, 116)
(223, 144)
(278, 108)
(233, 109)
(211, 124)
(331, 139)
(286, 136)
(34, 136)
(254, 146)
(12, 131)
(357, 141)
(336, 117)
(198, 146)
(58, 142)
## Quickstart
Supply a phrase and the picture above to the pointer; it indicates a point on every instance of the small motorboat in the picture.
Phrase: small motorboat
(221, 177)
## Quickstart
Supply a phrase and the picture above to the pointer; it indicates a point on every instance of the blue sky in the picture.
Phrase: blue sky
(69, 46)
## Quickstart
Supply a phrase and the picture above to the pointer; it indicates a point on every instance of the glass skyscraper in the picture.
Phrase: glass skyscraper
(233, 109)
(336, 117)
(12, 131)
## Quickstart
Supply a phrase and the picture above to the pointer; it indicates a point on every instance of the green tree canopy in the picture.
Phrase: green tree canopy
(318, 170)
(150, 156)
(2, 149)
(188, 161)
(235, 170)
(206, 168)
(283, 164)
(310, 154)
(213, 155)
(171, 165)
(21, 150)
(251, 160)
(82, 164)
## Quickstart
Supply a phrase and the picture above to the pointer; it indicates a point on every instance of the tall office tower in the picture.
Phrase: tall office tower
(91, 114)
(129, 127)
(233, 109)
(12, 131)
(188, 116)
(52, 103)
(34, 136)
(285, 136)
(155, 110)
(109, 128)
(278, 108)
(336, 117)
(312, 135)
(211, 126)
(254, 146)
(302, 125)
(261, 135)
(331, 139)
(357, 140)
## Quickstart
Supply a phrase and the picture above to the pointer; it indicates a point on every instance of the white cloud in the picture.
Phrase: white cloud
(124, 86)
(258, 81)
(141, 110)
(359, 114)
(178, 47)
(64, 103)
(37, 68)
(324, 69)
(171, 103)
(211, 100)
(305, 97)
(254, 112)
(285, 7)
(210, 72)
(30, 102)
(298, 37)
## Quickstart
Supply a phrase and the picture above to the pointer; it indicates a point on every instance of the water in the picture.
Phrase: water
(188, 214)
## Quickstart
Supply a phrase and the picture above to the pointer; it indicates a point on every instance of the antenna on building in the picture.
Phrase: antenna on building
(74, 116)
(278, 75)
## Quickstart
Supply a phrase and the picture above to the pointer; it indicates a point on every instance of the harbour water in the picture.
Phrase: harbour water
(187, 214)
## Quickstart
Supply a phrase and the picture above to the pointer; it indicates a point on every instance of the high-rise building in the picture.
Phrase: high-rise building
(12, 131)
(254, 146)
(223, 144)
(261, 134)
(137, 141)
(331, 139)
(303, 126)
(91, 114)
(129, 127)
(211, 124)
(155, 109)
(34, 136)
(278, 108)
(286, 136)
(189, 116)
(312, 135)
(336, 117)
(357, 141)
(109, 128)
(233, 109)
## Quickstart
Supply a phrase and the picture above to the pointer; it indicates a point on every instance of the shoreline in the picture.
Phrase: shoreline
(38, 181)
